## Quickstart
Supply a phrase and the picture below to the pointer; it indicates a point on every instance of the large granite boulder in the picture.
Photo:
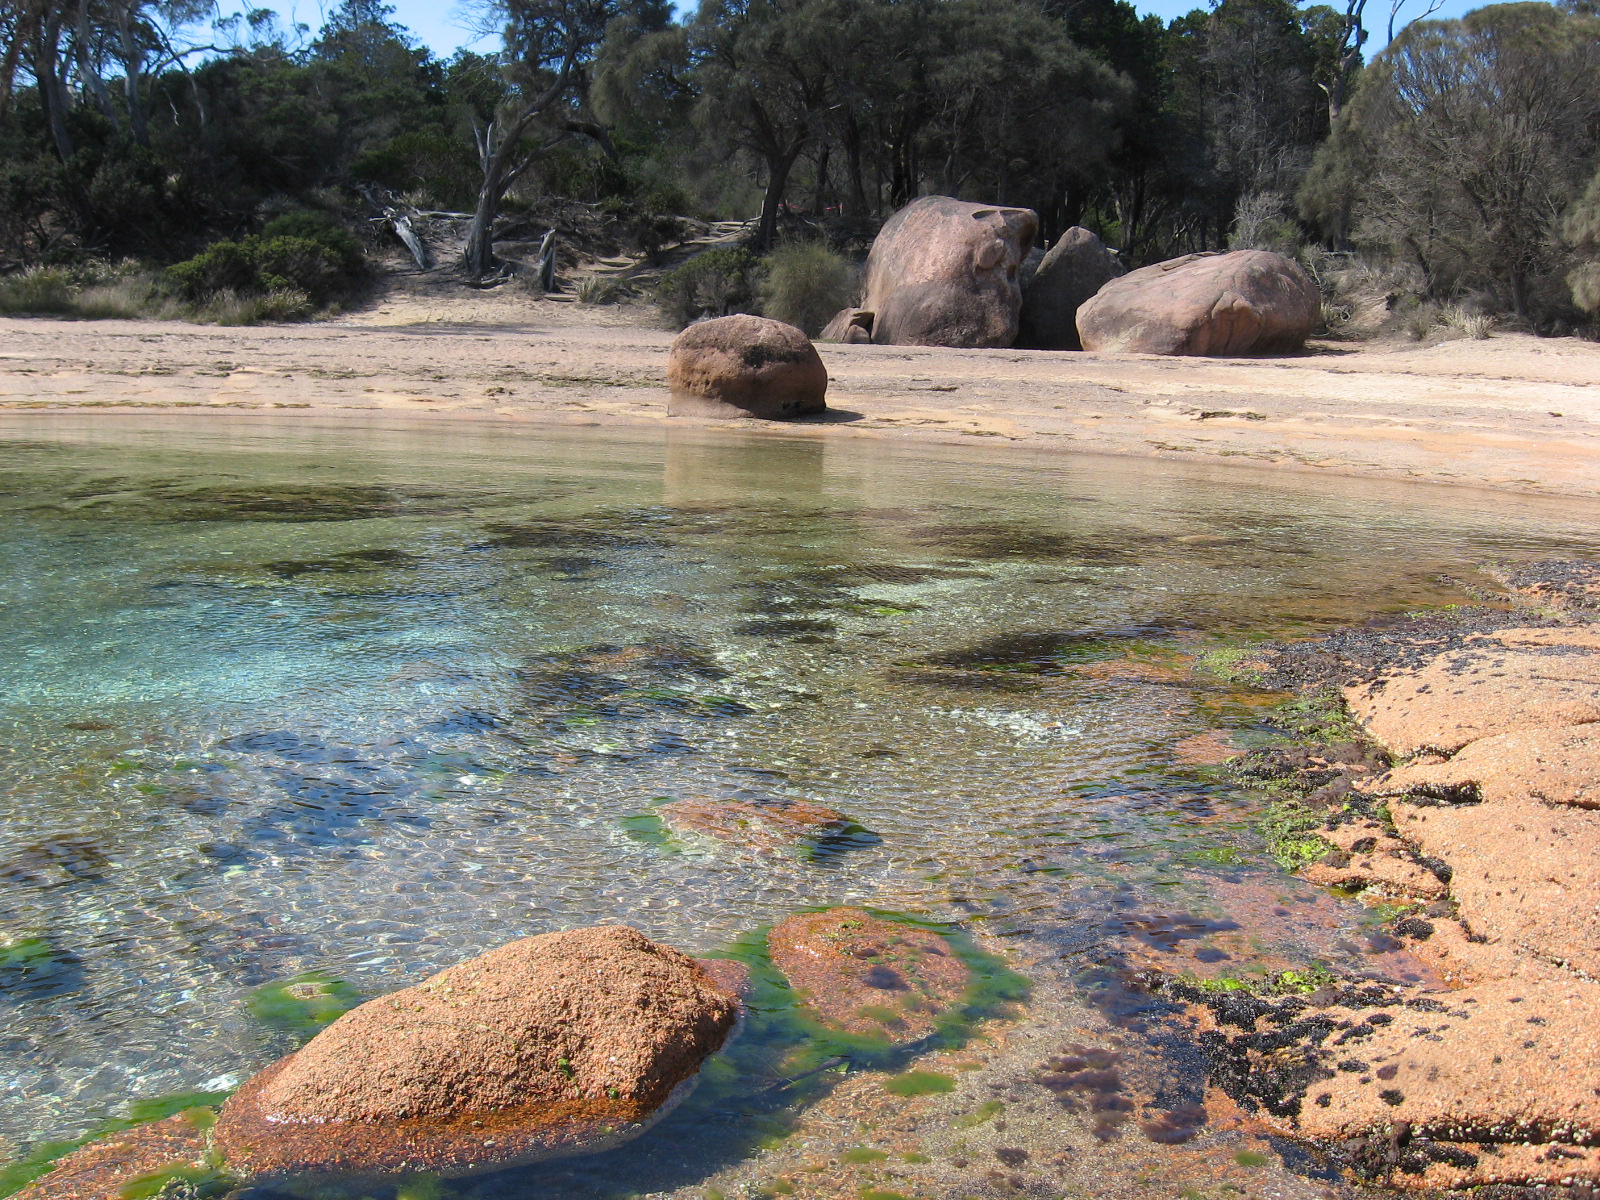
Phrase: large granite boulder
(1076, 267)
(561, 1044)
(1246, 302)
(744, 366)
(943, 272)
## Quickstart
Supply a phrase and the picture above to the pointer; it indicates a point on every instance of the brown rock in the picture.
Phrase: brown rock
(1557, 764)
(1503, 682)
(1246, 302)
(852, 326)
(1076, 267)
(560, 1044)
(943, 272)
(1368, 855)
(862, 974)
(103, 1169)
(1475, 1069)
(744, 366)
(762, 826)
(1522, 871)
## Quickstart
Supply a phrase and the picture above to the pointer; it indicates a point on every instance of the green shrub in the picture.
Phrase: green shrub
(713, 283)
(40, 290)
(320, 261)
(806, 284)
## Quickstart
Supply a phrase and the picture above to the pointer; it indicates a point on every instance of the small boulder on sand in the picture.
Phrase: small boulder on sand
(1245, 302)
(864, 975)
(944, 272)
(1076, 267)
(561, 1044)
(744, 366)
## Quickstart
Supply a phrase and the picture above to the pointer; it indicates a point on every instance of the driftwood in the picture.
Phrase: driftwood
(408, 235)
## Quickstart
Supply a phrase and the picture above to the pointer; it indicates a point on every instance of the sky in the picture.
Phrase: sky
(443, 26)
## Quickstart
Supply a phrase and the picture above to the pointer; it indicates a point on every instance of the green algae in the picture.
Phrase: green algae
(302, 1004)
(920, 1083)
(198, 1107)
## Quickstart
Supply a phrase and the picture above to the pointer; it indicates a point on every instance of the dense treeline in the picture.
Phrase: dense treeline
(1462, 158)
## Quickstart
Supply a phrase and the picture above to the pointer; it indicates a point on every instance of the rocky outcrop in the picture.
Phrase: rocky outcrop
(944, 272)
(561, 1044)
(865, 975)
(175, 1148)
(1513, 679)
(1075, 268)
(1245, 302)
(743, 366)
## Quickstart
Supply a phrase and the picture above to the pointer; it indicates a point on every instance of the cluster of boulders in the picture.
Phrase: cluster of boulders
(552, 1046)
(945, 272)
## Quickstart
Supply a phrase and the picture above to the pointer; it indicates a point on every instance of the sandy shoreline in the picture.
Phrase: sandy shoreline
(1515, 412)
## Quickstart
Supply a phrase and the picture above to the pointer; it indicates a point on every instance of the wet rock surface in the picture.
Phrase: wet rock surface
(559, 1044)
(744, 366)
(1489, 816)
(174, 1148)
(759, 825)
(865, 975)
(1244, 302)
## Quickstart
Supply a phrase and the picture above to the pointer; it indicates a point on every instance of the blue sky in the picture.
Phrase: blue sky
(443, 24)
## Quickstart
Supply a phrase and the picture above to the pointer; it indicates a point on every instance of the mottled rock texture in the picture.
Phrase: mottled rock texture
(862, 974)
(743, 366)
(1073, 270)
(944, 272)
(761, 826)
(104, 1169)
(1245, 302)
(560, 1044)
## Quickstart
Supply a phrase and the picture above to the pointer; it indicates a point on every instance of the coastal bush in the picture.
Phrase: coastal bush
(267, 265)
(38, 290)
(714, 283)
(805, 284)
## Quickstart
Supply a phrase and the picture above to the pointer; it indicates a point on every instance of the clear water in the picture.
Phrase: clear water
(370, 700)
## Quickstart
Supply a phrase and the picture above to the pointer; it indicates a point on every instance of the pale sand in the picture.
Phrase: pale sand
(1513, 412)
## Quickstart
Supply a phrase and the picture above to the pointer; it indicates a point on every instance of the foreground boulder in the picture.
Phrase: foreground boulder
(864, 975)
(566, 1043)
(1076, 267)
(744, 366)
(1246, 302)
(943, 272)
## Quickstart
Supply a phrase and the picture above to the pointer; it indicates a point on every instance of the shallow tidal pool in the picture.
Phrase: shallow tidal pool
(363, 701)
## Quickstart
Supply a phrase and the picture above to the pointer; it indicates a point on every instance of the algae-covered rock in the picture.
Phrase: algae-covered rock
(862, 974)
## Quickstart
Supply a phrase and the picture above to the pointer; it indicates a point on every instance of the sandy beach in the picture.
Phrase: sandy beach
(1513, 412)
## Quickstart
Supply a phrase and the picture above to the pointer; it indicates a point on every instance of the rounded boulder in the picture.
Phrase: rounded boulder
(745, 366)
(944, 272)
(1077, 267)
(561, 1044)
(1244, 302)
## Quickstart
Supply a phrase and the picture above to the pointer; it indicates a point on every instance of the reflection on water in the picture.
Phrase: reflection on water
(364, 702)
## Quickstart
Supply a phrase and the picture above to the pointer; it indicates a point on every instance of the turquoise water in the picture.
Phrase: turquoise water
(368, 700)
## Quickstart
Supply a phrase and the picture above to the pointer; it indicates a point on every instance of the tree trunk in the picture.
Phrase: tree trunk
(852, 148)
(52, 93)
(777, 180)
(479, 257)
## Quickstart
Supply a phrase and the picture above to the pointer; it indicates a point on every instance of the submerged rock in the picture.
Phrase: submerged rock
(865, 975)
(1246, 302)
(744, 366)
(944, 272)
(109, 1169)
(761, 826)
(561, 1044)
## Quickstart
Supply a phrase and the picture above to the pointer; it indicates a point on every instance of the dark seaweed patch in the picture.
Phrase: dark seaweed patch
(53, 862)
(559, 535)
(343, 564)
(183, 501)
(998, 542)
